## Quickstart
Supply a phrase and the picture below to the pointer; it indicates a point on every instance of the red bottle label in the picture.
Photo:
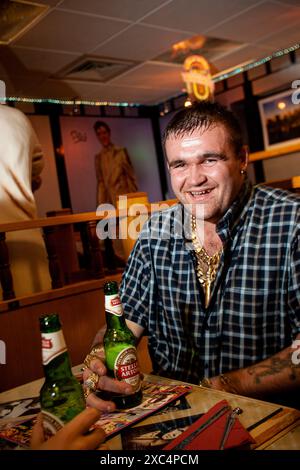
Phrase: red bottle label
(53, 344)
(113, 305)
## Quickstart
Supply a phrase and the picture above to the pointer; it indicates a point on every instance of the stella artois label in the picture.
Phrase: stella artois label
(53, 344)
(51, 424)
(113, 305)
(127, 369)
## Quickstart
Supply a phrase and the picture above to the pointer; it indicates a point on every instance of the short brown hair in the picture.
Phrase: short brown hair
(203, 115)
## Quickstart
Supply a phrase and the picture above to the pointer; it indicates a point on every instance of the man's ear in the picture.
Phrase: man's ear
(244, 157)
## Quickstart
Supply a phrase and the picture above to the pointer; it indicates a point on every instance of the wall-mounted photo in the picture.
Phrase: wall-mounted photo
(280, 119)
(107, 157)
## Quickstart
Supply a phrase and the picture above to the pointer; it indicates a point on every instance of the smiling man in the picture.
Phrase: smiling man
(220, 302)
(205, 170)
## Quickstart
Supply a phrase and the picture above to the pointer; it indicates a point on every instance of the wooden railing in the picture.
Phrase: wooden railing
(86, 224)
(85, 228)
(291, 184)
(275, 152)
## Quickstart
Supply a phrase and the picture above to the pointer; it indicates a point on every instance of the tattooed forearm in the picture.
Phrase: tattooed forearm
(275, 365)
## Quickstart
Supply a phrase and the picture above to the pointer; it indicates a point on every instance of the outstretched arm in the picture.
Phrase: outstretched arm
(278, 373)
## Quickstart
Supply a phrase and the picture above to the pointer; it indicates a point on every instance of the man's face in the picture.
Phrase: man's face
(103, 135)
(205, 171)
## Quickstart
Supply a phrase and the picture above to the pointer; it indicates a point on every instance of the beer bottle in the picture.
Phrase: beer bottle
(120, 351)
(61, 396)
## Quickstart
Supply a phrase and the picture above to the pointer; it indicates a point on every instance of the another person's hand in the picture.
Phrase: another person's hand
(95, 378)
(73, 436)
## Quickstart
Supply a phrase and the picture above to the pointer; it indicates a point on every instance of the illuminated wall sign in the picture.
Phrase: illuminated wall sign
(197, 77)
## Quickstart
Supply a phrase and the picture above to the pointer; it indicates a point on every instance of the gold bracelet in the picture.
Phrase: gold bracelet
(97, 349)
(94, 354)
(205, 383)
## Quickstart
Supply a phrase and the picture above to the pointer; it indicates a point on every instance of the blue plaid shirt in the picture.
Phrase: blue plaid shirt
(255, 306)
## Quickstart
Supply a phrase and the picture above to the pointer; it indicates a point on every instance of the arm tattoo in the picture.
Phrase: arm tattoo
(275, 365)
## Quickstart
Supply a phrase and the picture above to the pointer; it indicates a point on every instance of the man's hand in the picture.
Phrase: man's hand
(75, 435)
(95, 377)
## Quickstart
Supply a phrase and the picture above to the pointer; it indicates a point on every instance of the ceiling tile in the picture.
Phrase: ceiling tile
(12, 66)
(285, 38)
(142, 96)
(195, 15)
(290, 2)
(140, 42)
(208, 47)
(41, 60)
(244, 54)
(127, 9)
(70, 32)
(61, 89)
(51, 3)
(106, 92)
(28, 86)
(257, 22)
(153, 75)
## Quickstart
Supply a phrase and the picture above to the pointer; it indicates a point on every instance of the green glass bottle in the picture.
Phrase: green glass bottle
(61, 395)
(120, 351)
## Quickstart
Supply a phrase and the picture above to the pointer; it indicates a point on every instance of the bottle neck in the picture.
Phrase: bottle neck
(55, 356)
(116, 322)
(58, 368)
(114, 312)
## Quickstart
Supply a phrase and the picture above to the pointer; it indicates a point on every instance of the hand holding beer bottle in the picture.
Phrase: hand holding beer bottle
(122, 384)
(120, 351)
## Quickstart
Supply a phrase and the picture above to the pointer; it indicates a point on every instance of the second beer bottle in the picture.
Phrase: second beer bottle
(61, 396)
(120, 351)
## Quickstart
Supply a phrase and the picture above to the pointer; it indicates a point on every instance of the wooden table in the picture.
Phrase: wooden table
(273, 426)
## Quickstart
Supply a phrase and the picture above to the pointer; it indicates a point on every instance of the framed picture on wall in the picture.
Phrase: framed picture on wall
(280, 119)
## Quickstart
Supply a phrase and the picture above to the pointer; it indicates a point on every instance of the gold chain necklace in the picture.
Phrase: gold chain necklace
(211, 263)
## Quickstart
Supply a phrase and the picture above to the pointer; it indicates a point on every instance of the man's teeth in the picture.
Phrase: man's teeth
(199, 193)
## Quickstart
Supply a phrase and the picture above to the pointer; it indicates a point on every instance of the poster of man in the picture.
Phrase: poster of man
(114, 170)
(135, 156)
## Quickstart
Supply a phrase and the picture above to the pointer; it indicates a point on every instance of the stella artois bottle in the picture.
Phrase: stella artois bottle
(61, 396)
(120, 351)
